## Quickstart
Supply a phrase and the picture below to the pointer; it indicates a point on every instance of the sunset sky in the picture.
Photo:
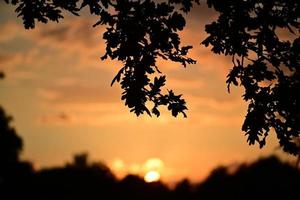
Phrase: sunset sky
(58, 91)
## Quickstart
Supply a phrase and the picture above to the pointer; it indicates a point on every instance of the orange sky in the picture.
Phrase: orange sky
(58, 91)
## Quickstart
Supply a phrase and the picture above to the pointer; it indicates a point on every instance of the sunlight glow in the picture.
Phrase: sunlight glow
(118, 164)
(152, 176)
(154, 164)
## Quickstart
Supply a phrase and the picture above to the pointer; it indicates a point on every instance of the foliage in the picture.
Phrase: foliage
(137, 34)
(140, 32)
(10, 143)
(250, 181)
(265, 178)
(264, 64)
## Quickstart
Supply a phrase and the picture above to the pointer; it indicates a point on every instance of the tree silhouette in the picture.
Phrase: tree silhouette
(13, 172)
(264, 179)
(10, 143)
(78, 180)
(263, 63)
(140, 32)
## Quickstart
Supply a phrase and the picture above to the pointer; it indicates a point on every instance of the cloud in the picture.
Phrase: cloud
(72, 90)
(73, 41)
(73, 33)
(10, 30)
(88, 115)
(84, 101)
(49, 95)
(211, 102)
(83, 94)
(84, 118)
(58, 119)
(185, 84)
(6, 58)
(10, 64)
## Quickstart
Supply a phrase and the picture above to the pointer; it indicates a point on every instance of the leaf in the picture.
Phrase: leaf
(155, 111)
(118, 76)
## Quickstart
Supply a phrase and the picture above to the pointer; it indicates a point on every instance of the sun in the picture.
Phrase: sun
(152, 176)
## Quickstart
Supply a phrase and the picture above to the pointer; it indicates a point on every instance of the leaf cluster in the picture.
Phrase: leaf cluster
(264, 64)
(137, 34)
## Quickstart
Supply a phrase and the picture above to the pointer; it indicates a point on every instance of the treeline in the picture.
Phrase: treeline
(265, 178)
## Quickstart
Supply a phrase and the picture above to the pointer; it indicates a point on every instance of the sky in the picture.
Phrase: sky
(58, 91)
